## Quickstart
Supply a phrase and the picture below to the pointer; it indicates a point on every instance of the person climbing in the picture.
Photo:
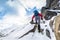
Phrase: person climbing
(37, 17)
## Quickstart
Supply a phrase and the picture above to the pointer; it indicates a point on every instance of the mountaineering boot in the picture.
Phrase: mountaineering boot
(39, 29)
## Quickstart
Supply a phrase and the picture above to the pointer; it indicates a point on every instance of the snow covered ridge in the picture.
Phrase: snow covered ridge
(14, 32)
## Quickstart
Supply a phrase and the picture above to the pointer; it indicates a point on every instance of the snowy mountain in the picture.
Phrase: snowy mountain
(16, 31)
(16, 25)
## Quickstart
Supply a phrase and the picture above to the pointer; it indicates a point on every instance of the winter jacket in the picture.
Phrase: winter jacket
(38, 15)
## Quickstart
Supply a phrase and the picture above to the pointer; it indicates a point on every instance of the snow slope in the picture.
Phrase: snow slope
(16, 31)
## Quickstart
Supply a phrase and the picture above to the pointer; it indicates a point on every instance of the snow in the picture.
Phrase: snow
(19, 31)
(13, 27)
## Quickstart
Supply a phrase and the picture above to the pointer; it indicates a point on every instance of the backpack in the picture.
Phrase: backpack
(36, 13)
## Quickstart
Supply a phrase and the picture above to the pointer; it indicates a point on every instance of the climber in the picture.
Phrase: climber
(37, 16)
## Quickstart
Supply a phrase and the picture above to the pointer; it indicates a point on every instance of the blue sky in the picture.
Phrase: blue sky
(5, 9)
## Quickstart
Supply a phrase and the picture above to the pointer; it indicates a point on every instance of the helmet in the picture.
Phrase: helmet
(36, 12)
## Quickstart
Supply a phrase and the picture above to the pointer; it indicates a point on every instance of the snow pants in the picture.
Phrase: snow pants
(37, 20)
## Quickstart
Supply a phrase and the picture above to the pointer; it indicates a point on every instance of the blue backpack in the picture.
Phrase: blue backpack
(36, 13)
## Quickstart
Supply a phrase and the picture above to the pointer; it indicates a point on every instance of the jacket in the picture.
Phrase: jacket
(38, 15)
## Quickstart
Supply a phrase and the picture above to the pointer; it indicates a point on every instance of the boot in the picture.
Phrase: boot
(39, 29)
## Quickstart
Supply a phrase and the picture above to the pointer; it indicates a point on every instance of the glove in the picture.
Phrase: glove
(41, 18)
(31, 21)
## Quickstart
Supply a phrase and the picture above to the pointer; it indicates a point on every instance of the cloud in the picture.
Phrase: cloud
(6, 9)
(21, 17)
(18, 19)
(1, 8)
(32, 3)
(2, 2)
